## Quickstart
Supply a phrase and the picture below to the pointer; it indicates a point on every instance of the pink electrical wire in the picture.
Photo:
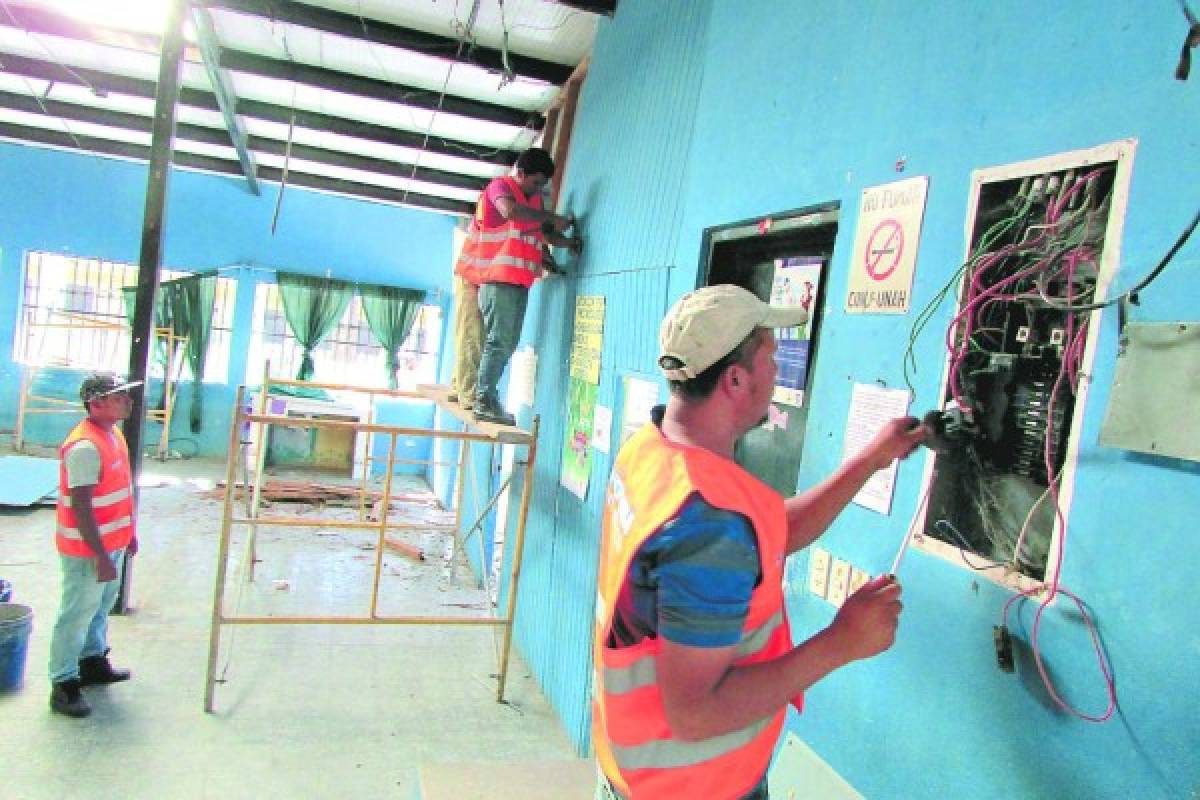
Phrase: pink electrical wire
(1054, 587)
(975, 300)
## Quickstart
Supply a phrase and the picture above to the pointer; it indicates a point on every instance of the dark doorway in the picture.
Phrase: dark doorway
(759, 254)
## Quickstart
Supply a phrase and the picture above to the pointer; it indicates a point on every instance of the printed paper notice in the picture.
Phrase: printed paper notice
(522, 374)
(641, 396)
(589, 338)
(602, 429)
(871, 407)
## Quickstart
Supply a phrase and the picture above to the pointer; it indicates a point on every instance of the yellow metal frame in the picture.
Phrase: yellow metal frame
(30, 403)
(480, 432)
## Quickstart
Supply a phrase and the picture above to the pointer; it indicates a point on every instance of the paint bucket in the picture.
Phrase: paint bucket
(16, 623)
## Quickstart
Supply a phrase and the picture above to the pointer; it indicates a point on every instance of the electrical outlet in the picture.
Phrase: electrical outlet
(818, 571)
(839, 582)
(858, 579)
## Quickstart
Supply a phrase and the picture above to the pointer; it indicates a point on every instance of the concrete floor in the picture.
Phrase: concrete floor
(306, 711)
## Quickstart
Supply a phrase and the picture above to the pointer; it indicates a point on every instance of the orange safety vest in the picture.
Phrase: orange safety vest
(112, 499)
(507, 253)
(634, 744)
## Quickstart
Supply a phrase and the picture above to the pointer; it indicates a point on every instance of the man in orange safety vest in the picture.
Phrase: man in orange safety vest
(95, 527)
(694, 662)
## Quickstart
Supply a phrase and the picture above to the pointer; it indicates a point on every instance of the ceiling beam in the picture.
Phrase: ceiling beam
(101, 83)
(361, 86)
(397, 36)
(206, 37)
(203, 134)
(136, 152)
(52, 24)
(605, 7)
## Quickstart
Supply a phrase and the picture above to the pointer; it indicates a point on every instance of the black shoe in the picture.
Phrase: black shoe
(65, 698)
(97, 671)
(486, 412)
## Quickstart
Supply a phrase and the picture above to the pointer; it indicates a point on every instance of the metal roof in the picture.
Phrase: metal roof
(417, 102)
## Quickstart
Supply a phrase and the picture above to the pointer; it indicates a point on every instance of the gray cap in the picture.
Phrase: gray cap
(102, 384)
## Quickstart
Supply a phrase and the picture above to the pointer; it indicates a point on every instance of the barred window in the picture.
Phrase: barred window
(73, 315)
(350, 355)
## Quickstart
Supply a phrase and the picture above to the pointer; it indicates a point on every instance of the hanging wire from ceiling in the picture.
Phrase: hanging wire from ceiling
(39, 97)
(463, 37)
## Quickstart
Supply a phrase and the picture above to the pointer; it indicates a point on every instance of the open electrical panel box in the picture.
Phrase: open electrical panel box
(1043, 239)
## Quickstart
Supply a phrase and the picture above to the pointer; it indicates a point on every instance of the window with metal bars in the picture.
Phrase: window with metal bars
(350, 355)
(73, 315)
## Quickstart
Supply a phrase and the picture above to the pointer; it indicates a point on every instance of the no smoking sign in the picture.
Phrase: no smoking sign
(885, 247)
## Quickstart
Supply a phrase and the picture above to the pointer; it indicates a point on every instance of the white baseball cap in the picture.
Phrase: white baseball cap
(707, 324)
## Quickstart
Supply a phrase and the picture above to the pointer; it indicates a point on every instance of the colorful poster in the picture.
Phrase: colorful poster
(797, 282)
(577, 444)
(589, 338)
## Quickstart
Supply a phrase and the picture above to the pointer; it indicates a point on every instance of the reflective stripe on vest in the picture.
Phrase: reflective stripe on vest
(100, 501)
(644, 672)
(112, 496)
(508, 253)
(635, 747)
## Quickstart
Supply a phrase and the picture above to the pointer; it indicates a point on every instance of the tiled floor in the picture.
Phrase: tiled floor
(307, 711)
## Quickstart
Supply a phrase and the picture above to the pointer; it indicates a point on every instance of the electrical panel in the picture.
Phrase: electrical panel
(1034, 274)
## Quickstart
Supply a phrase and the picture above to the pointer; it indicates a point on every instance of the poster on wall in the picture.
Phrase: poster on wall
(885, 247)
(640, 397)
(872, 407)
(577, 444)
(589, 338)
(796, 283)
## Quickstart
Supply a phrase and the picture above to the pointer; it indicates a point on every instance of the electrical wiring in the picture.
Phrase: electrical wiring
(1142, 284)
(1014, 349)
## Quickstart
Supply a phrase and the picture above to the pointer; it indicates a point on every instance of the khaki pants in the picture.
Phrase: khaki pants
(468, 339)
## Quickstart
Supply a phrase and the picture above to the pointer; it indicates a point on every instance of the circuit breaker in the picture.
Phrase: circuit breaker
(1041, 249)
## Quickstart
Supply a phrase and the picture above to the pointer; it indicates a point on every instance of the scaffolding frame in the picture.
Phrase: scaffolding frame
(483, 433)
(29, 403)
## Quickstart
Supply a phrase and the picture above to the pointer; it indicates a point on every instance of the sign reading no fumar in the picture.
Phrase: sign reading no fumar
(885, 247)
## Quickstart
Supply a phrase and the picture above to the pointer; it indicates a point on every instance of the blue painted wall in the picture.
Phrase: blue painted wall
(90, 206)
(702, 113)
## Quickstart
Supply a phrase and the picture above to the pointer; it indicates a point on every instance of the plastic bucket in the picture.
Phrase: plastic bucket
(16, 623)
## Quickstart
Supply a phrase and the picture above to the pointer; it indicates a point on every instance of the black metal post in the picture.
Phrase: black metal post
(150, 260)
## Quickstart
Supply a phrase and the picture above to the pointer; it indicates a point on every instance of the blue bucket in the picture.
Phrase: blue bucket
(16, 623)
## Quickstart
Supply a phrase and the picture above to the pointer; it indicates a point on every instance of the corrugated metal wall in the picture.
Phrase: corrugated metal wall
(625, 183)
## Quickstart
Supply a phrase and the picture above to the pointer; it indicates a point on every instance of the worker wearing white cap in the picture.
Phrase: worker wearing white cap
(694, 662)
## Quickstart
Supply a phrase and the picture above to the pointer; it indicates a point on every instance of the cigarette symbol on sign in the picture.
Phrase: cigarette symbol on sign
(884, 248)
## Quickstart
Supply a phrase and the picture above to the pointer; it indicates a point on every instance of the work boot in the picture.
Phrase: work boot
(97, 671)
(65, 698)
(490, 412)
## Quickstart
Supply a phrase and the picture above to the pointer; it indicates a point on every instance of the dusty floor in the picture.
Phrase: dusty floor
(305, 711)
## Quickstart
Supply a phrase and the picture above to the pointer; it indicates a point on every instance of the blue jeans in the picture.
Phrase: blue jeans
(503, 308)
(81, 630)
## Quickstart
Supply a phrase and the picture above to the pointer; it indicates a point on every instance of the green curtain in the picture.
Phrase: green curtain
(161, 320)
(312, 307)
(391, 313)
(190, 302)
(185, 305)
